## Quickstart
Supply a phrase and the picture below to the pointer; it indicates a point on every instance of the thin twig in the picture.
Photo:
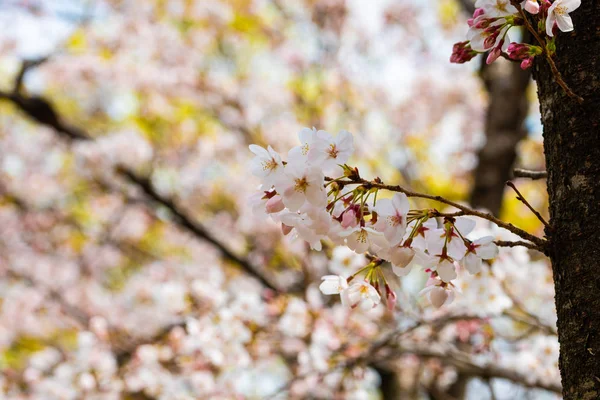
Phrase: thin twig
(525, 173)
(507, 243)
(524, 201)
(466, 210)
(555, 71)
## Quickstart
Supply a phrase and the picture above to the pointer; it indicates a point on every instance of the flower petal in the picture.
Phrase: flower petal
(564, 22)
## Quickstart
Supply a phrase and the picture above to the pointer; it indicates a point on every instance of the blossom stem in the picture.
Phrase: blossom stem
(541, 243)
(547, 55)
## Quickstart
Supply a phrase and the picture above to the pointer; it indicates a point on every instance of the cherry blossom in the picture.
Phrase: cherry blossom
(423, 230)
(362, 295)
(344, 261)
(450, 238)
(274, 204)
(484, 35)
(266, 165)
(329, 152)
(301, 183)
(445, 268)
(481, 249)
(307, 136)
(401, 257)
(360, 238)
(559, 13)
(496, 8)
(193, 325)
(333, 284)
(531, 6)
(392, 217)
(439, 293)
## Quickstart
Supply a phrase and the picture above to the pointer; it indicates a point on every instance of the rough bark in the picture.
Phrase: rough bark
(506, 84)
(572, 149)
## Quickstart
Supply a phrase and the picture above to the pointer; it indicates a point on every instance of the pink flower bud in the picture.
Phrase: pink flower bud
(493, 56)
(478, 12)
(349, 219)
(390, 298)
(532, 6)
(286, 229)
(274, 204)
(518, 51)
(462, 52)
(483, 24)
(526, 63)
(489, 41)
(438, 296)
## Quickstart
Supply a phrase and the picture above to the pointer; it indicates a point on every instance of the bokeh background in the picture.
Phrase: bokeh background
(131, 263)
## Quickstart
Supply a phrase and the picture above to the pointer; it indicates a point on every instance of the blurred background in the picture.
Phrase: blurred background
(131, 263)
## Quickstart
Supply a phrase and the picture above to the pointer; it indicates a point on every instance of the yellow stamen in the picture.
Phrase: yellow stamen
(333, 151)
(301, 185)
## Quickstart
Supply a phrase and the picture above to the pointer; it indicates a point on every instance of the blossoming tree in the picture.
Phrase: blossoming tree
(134, 267)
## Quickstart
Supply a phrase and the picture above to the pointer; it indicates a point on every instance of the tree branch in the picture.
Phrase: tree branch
(452, 358)
(508, 243)
(191, 225)
(524, 173)
(522, 199)
(464, 209)
(42, 111)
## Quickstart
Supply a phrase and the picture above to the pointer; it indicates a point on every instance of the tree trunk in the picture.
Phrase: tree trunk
(572, 148)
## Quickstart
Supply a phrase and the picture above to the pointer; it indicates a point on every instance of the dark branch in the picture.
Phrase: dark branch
(42, 111)
(522, 199)
(26, 66)
(524, 173)
(192, 226)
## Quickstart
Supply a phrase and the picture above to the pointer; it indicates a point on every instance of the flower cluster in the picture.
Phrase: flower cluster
(344, 209)
(492, 19)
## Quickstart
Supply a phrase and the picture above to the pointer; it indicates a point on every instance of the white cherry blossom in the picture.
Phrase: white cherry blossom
(400, 257)
(274, 205)
(267, 164)
(449, 238)
(439, 294)
(445, 269)
(419, 241)
(420, 259)
(333, 284)
(307, 137)
(496, 8)
(301, 183)
(483, 40)
(360, 238)
(480, 249)
(302, 225)
(328, 152)
(391, 214)
(344, 261)
(559, 13)
(361, 294)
